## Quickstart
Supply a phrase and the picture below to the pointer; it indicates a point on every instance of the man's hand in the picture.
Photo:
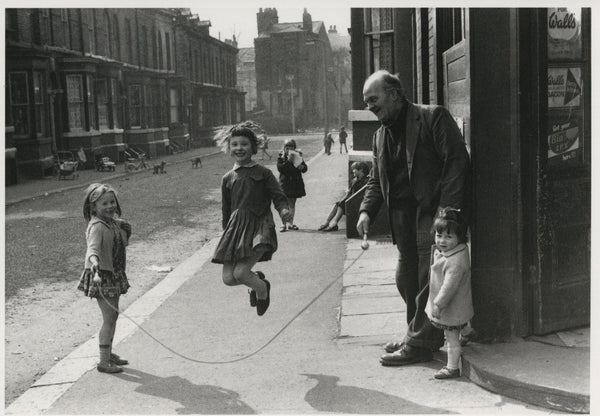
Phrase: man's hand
(286, 215)
(362, 225)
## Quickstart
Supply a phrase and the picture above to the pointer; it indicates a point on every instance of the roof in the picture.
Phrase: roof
(291, 27)
(338, 41)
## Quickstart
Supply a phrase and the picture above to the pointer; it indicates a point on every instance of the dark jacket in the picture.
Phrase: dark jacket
(290, 177)
(439, 166)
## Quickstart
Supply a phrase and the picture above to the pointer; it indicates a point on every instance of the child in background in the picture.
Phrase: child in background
(291, 166)
(342, 139)
(450, 306)
(360, 170)
(263, 145)
(107, 236)
(248, 228)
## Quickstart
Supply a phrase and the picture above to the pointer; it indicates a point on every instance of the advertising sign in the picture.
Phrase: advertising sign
(564, 33)
(564, 87)
(564, 140)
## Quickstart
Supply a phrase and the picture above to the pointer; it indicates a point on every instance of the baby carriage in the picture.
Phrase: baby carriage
(65, 165)
(103, 163)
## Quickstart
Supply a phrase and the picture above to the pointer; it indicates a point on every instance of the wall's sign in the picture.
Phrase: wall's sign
(564, 33)
(564, 87)
(564, 143)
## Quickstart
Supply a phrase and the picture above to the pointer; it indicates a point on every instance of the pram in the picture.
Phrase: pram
(103, 163)
(65, 165)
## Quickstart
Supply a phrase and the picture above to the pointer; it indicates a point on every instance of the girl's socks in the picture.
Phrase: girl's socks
(105, 354)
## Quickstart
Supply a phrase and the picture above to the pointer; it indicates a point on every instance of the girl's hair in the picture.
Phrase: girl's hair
(362, 166)
(247, 129)
(289, 143)
(451, 220)
(92, 194)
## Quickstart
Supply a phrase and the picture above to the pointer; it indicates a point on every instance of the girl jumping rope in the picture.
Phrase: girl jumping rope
(104, 275)
(450, 306)
(248, 227)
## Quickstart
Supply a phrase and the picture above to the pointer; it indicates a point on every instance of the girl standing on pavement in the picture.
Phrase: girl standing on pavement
(248, 228)
(450, 306)
(291, 166)
(104, 275)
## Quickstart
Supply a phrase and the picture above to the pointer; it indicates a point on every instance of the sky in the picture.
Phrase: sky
(241, 21)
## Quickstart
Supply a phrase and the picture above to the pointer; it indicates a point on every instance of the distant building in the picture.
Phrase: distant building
(246, 76)
(103, 79)
(292, 73)
(342, 75)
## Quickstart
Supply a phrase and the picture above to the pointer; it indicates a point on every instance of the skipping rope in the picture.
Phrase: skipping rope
(364, 246)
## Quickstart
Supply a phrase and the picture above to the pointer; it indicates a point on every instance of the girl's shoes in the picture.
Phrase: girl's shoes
(323, 227)
(446, 372)
(334, 228)
(109, 367)
(115, 359)
(283, 229)
(294, 227)
(261, 276)
(263, 304)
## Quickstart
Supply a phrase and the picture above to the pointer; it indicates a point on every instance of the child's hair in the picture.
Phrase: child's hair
(451, 220)
(362, 166)
(289, 143)
(247, 129)
(92, 194)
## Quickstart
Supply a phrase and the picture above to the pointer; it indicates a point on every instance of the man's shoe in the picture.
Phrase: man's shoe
(406, 355)
(392, 346)
(446, 372)
(261, 276)
(109, 368)
(115, 359)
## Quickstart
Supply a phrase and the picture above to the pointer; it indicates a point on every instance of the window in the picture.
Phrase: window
(75, 102)
(201, 113)
(160, 52)
(129, 41)
(168, 49)
(103, 104)
(38, 99)
(11, 24)
(379, 39)
(19, 102)
(91, 102)
(91, 25)
(157, 107)
(174, 105)
(107, 35)
(144, 46)
(116, 37)
(148, 113)
(135, 105)
(114, 103)
(66, 28)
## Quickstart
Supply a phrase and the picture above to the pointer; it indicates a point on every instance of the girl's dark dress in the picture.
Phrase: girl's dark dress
(290, 177)
(247, 192)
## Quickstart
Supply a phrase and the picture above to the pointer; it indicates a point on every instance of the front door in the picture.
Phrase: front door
(560, 275)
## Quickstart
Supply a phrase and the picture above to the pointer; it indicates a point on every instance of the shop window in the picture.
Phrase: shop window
(114, 103)
(75, 102)
(38, 100)
(91, 103)
(19, 102)
(174, 105)
(135, 106)
(103, 104)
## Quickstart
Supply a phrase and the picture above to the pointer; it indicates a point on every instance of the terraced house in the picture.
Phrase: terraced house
(99, 80)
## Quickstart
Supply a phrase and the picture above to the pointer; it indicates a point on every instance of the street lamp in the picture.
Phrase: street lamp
(290, 78)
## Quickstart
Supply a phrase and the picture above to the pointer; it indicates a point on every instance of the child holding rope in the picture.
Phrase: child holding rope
(104, 275)
(248, 226)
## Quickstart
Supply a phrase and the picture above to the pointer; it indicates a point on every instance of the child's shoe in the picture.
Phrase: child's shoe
(115, 359)
(109, 367)
(446, 372)
(263, 304)
(261, 276)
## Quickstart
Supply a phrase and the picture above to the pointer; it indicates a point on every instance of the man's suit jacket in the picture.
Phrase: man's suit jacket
(439, 166)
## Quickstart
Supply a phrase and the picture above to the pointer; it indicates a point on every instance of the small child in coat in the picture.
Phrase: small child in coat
(450, 305)
(291, 166)
(248, 228)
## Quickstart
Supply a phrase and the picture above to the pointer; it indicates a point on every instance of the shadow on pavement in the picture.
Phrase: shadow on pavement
(196, 399)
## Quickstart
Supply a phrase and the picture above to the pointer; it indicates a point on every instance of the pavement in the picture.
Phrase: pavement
(551, 372)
